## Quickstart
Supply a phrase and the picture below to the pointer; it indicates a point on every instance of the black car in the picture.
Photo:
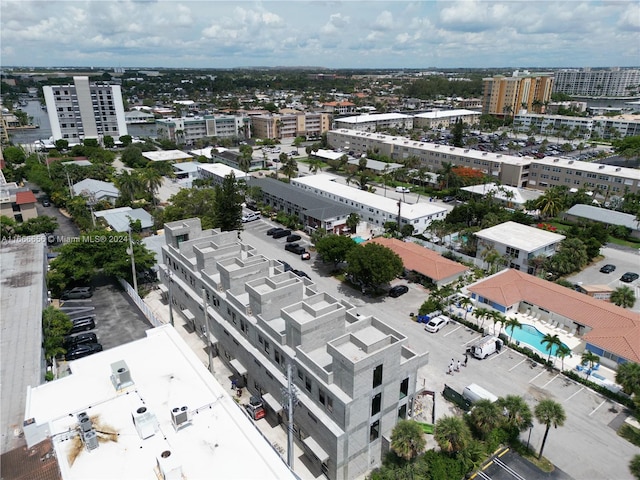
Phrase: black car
(83, 350)
(629, 277)
(82, 324)
(286, 266)
(72, 341)
(294, 248)
(274, 230)
(294, 237)
(300, 273)
(282, 233)
(448, 199)
(46, 202)
(398, 290)
(608, 268)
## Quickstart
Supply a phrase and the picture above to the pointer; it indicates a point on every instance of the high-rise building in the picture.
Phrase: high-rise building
(522, 91)
(85, 110)
(614, 82)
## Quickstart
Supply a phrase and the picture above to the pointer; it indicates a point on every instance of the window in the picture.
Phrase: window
(377, 376)
(374, 431)
(300, 376)
(266, 346)
(329, 404)
(307, 383)
(402, 411)
(376, 404)
(513, 252)
(404, 388)
(321, 397)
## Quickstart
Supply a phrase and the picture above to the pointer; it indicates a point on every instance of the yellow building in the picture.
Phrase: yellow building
(509, 95)
(290, 125)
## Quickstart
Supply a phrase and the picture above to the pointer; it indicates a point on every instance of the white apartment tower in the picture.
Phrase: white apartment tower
(614, 82)
(85, 110)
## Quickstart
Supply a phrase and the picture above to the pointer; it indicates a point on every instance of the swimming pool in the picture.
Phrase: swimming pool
(358, 239)
(531, 336)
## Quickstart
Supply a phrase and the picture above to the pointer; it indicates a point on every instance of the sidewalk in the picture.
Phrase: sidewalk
(276, 435)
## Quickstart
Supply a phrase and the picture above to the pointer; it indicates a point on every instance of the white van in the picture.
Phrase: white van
(250, 217)
(474, 392)
(402, 190)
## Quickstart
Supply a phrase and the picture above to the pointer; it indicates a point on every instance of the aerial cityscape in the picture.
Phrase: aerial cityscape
(344, 240)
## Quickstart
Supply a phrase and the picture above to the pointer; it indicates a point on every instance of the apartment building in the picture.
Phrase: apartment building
(375, 121)
(510, 170)
(613, 82)
(355, 376)
(518, 243)
(445, 118)
(374, 209)
(619, 126)
(508, 95)
(85, 110)
(290, 125)
(189, 129)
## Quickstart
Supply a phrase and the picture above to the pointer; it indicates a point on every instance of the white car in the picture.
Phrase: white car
(435, 324)
(402, 190)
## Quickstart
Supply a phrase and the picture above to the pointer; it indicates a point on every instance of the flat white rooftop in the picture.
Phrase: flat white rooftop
(221, 170)
(219, 440)
(446, 113)
(522, 237)
(165, 155)
(373, 117)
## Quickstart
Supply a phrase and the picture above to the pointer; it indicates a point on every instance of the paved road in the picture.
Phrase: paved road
(580, 447)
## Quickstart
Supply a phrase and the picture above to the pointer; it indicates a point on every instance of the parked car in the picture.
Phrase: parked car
(272, 231)
(77, 292)
(294, 248)
(294, 237)
(305, 256)
(608, 268)
(448, 199)
(629, 277)
(281, 233)
(402, 190)
(46, 202)
(250, 217)
(435, 324)
(82, 324)
(71, 341)
(300, 273)
(398, 290)
(286, 266)
(83, 350)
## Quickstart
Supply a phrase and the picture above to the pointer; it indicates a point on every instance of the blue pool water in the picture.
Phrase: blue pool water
(358, 239)
(531, 336)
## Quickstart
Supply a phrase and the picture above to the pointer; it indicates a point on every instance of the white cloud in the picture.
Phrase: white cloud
(337, 22)
(384, 21)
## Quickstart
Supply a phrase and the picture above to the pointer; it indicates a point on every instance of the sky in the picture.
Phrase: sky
(333, 34)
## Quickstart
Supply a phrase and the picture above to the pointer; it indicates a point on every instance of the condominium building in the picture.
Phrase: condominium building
(189, 129)
(508, 95)
(445, 118)
(508, 169)
(375, 121)
(85, 110)
(619, 126)
(290, 125)
(355, 376)
(613, 82)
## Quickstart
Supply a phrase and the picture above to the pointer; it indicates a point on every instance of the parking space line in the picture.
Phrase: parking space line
(533, 379)
(472, 340)
(544, 386)
(596, 409)
(496, 356)
(519, 363)
(446, 334)
(570, 397)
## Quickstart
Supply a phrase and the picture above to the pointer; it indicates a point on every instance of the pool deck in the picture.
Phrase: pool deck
(574, 342)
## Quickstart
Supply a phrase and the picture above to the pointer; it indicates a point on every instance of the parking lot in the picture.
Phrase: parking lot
(579, 447)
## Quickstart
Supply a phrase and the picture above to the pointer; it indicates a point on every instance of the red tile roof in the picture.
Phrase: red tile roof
(421, 259)
(614, 329)
(36, 463)
(25, 197)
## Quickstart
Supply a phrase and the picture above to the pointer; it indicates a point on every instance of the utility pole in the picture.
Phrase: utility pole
(290, 400)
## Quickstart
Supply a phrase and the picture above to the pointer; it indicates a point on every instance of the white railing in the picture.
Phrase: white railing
(144, 308)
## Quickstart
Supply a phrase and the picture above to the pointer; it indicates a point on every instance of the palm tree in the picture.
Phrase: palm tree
(421, 175)
(153, 180)
(128, 185)
(485, 417)
(550, 203)
(563, 352)
(482, 314)
(407, 439)
(549, 412)
(466, 302)
(289, 167)
(623, 297)
(550, 341)
(628, 375)
(315, 164)
(517, 412)
(452, 434)
(590, 359)
(511, 323)
(498, 319)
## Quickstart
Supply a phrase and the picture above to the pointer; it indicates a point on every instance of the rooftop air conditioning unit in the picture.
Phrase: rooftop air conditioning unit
(556, 160)
(120, 375)
(601, 167)
(618, 169)
(179, 416)
(90, 440)
(85, 422)
(145, 422)
(169, 467)
(570, 161)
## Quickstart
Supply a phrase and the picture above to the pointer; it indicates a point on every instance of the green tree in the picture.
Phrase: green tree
(549, 412)
(458, 134)
(634, 466)
(511, 324)
(571, 256)
(132, 157)
(552, 202)
(407, 439)
(623, 297)
(152, 181)
(317, 234)
(34, 226)
(315, 164)
(289, 166)
(192, 202)
(517, 412)
(228, 205)
(589, 359)
(126, 140)
(353, 220)
(373, 264)
(484, 417)
(108, 141)
(130, 185)
(452, 434)
(334, 248)
(563, 352)
(55, 325)
(61, 144)
(550, 341)
(406, 230)
(628, 375)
